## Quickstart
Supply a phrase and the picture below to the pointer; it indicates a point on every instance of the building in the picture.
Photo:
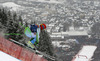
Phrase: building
(68, 34)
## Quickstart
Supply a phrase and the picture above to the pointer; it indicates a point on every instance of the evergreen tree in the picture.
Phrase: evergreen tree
(96, 30)
(10, 22)
(45, 43)
(3, 16)
(14, 28)
(66, 26)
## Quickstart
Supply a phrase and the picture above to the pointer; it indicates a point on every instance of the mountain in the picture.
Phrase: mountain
(12, 6)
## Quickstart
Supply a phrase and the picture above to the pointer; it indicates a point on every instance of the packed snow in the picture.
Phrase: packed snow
(6, 57)
(11, 5)
(86, 53)
(47, 1)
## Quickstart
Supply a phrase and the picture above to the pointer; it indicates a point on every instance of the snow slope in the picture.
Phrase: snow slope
(85, 53)
(47, 1)
(6, 57)
(11, 5)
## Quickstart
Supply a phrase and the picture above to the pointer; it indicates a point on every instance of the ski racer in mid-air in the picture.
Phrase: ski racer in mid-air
(33, 32)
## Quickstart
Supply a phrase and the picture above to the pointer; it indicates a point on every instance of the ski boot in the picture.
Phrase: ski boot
(30, 45)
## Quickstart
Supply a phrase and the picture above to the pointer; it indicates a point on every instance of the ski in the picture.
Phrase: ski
(30, 45)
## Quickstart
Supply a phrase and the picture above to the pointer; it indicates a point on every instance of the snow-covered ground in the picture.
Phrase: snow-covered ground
(48, 1)
(51, 1)
(86, 53)
(11, 5)
(57, 44)
(6, 57)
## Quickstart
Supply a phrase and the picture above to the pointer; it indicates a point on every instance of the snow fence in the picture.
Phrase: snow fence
(18, 52)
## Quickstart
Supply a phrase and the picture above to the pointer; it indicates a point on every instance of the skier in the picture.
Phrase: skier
(35, 31)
